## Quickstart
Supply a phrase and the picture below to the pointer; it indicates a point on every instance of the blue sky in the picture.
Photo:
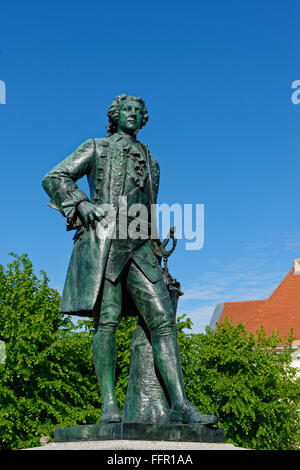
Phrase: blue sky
(216, 78)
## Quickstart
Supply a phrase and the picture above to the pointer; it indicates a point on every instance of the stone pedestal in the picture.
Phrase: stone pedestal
(138, 431)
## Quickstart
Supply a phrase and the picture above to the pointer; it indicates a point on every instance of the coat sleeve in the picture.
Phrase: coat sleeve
(60, 182)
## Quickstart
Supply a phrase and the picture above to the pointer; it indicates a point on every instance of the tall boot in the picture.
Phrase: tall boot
(167, 360)
(105, 356)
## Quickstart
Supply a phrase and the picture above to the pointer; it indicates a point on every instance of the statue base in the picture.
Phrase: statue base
(138, 431)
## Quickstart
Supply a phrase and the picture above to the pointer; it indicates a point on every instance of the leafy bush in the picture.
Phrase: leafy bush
(246, 382)
(48, 377)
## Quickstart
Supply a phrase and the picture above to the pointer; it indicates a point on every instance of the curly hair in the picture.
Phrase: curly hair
(114, 109)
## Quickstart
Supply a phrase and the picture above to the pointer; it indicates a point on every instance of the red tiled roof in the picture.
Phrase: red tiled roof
(241, 311)
(280, 312)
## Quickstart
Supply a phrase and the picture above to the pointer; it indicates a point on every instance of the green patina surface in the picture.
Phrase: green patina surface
(110, 276)
(140, 431)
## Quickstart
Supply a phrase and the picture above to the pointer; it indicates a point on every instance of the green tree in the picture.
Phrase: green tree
(46, 379)
(245, 381)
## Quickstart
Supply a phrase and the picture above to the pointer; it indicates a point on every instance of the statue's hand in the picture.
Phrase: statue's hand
(89, 214)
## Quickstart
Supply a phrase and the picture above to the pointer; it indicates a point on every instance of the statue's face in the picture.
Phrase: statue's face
(130, 116)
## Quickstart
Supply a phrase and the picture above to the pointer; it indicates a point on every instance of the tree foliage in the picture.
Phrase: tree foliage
(48, 377)
(247, 381)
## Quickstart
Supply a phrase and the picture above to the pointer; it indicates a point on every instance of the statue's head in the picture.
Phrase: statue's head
(127, 113)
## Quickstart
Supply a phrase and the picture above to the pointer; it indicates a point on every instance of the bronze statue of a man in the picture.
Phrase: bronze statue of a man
(110, 273)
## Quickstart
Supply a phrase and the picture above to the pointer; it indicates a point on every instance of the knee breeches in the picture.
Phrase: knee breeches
(151, 299)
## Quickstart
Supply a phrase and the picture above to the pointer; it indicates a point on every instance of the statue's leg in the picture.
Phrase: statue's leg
(154, 304)
(104, 348)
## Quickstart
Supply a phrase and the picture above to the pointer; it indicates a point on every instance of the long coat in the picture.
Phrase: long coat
(103, 161)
